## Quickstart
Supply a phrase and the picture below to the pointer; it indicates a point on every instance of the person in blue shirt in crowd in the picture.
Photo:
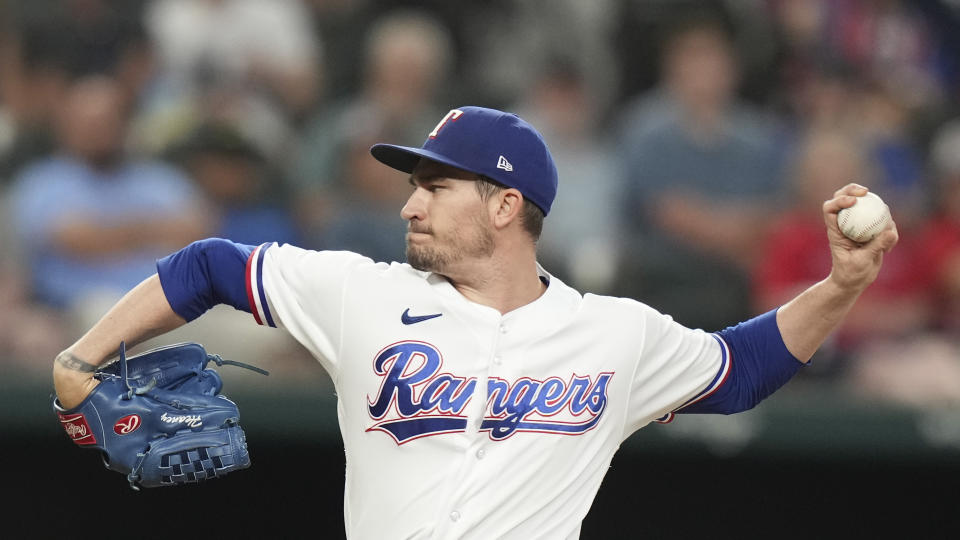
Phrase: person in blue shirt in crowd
(91, 218)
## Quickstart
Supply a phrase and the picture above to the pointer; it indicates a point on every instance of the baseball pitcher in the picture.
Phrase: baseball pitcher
(479, 396)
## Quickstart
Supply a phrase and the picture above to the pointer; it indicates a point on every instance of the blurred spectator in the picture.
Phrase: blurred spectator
(639, 41)
(940, 235)
(920, 367)
(796, 257)
(703, 174)
(246, 204)
(238, 183)
(834, 98)
(579, 245)
(44, 45)
(494, 73)
(366, 217)
(29, 92)
(344, 25)
(256, 63)
(883, 123)
(406, 65)
(86, 37)
(891, 42)
(874, 66)
(822, 99)
(92, 219)
(28, 332)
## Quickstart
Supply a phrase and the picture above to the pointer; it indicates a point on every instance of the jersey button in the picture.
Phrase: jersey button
(503, 329)
(497, 360)
(480, 453)
(454, 516)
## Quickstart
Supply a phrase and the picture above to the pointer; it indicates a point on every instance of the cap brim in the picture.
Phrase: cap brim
(405, 158)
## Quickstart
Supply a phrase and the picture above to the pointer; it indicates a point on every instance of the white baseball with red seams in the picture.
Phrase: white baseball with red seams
(864, 220)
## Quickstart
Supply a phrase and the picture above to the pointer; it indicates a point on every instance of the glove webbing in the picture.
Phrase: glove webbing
(193, 465)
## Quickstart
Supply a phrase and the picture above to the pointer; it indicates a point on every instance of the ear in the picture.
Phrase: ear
(507, 207)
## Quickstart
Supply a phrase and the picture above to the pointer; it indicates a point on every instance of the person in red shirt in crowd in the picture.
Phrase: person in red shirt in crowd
(939, 237)
(923, 370)
(893, 306)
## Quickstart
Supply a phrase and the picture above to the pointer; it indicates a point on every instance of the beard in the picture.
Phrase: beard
(450, 248)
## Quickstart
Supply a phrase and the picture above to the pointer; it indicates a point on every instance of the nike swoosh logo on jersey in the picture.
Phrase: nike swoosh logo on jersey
(407, 318)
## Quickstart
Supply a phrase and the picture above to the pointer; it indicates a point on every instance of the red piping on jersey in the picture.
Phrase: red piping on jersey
(249, 274)
(724, 348)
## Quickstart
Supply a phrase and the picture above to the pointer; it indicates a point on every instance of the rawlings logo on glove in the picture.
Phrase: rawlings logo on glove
(77, 428)
(127, 424)
(159, 418)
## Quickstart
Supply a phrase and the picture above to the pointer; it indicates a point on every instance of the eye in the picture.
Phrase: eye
(433, 187)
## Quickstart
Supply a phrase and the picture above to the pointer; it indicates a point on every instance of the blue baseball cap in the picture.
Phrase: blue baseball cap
(492, 143)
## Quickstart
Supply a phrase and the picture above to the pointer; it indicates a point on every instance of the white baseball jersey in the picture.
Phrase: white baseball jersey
(462, 422)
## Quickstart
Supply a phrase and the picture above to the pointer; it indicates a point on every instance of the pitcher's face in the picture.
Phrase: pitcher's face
(447, 221)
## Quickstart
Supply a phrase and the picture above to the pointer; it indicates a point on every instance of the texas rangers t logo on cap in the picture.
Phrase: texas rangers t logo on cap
(451, 116)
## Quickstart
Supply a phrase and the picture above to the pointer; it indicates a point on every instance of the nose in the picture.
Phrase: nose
(415, 207)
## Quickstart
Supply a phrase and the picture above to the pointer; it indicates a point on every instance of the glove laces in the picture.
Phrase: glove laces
(215, 358)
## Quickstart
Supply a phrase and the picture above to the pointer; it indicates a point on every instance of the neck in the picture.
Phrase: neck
(502, 283)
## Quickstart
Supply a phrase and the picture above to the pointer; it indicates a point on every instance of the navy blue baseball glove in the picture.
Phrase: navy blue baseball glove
(159, 418)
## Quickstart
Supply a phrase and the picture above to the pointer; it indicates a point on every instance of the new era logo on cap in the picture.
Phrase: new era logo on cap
(478, 139)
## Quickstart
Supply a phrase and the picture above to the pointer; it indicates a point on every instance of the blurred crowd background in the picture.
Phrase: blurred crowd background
(695, 142)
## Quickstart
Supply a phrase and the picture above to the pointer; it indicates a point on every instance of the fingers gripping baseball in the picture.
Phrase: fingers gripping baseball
(855, 264)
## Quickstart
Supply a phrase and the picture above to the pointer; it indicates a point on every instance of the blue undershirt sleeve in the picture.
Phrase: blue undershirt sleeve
(204, 274)
(759, 365)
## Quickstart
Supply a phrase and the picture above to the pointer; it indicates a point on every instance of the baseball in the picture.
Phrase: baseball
(864, 220)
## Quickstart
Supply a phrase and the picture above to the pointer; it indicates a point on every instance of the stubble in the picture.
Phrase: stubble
(473, 241)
